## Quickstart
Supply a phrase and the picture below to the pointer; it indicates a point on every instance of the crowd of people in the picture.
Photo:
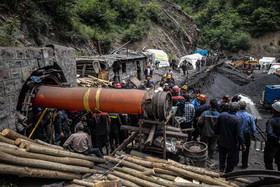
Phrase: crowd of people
(224, 125)
(227, 126)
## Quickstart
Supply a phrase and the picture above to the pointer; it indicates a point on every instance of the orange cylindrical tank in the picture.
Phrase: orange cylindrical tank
(126, 101)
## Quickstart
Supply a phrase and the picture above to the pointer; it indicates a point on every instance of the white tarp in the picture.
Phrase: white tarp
(273, 69)
(161, 56)
(267, 60)
(191, 59)
(250, 106)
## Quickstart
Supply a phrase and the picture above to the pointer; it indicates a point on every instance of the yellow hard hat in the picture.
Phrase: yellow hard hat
(185, 87)
(168, 76)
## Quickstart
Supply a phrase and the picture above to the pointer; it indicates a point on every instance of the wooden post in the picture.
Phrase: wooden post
(63, 160)
(127, 141)
(140, 133)
(164, 141)
(124, 181)
(62, 153)
(47, 144)
(7, 158)
(7, 169)
(8, 133)
(133, 179)
(151, 136)
(6, 140)
(125, 163)
(3, 144)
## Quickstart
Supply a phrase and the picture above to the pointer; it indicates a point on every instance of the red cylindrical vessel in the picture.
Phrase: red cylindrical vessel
(126, 101)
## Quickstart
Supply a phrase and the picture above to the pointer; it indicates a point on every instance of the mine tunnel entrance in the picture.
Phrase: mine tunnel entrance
(52, 75)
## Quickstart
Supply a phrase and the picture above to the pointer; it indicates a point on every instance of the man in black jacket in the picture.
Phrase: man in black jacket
(272, 146)
(229, 130)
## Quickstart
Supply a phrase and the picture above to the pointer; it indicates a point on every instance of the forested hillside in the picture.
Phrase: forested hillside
(230, 24)
(98, 24)
(91, 26)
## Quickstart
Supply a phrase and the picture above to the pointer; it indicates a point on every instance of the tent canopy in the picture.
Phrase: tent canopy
(191, 59)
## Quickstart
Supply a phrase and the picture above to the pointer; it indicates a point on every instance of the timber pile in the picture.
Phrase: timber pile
(138, 169)
(33, 158)
(91, 81)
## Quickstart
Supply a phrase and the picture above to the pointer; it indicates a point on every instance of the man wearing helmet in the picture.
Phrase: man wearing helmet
(202, 106)
(184, 90)
(272, 145)
(178, 101)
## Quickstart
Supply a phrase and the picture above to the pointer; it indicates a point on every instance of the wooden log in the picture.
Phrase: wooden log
(127, 141)
(147, 131)
(198, 170)
(136, 160)
(164, 171)
(165, 176)
(141, 176)
(175, 129)
(6, 140)
(125, 163)
(8, 133)
(19, 140)
(11, 159)
(133, 179)
(62, 153)
(22, 145)
(150, 138)
(47, 144)
(3, 144)
(20, 171)
(63, 160)
(195, 176)
(124, 181)
(83, 183)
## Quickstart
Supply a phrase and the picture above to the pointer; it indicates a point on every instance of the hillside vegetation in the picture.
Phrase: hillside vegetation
(229, 24)
(102, 25)
(102, 22)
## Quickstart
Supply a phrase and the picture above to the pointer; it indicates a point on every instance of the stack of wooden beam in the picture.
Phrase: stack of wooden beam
(138, 169)
(34, 158)
(91, 81)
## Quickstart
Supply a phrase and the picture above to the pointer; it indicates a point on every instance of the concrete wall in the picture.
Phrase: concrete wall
(17, 64)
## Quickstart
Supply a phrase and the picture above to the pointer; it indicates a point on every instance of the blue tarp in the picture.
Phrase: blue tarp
(202, 52)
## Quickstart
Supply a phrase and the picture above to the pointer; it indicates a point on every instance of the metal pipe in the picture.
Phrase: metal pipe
(127, 101)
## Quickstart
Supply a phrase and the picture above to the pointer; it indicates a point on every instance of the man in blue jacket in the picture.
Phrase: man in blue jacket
(249, 129)
(229, 130)
(207, 121)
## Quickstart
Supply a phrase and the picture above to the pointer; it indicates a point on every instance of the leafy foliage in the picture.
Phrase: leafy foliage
(228, 24)
(8, 31)
(78, 20)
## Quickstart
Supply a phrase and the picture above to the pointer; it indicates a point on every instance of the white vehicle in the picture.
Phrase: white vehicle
(191, 59)
(159, 55)
(275, 69)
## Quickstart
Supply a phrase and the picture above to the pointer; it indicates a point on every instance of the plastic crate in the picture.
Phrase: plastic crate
(272, 93)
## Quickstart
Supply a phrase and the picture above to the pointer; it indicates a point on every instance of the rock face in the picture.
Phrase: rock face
(18, 64)
(179, 41)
